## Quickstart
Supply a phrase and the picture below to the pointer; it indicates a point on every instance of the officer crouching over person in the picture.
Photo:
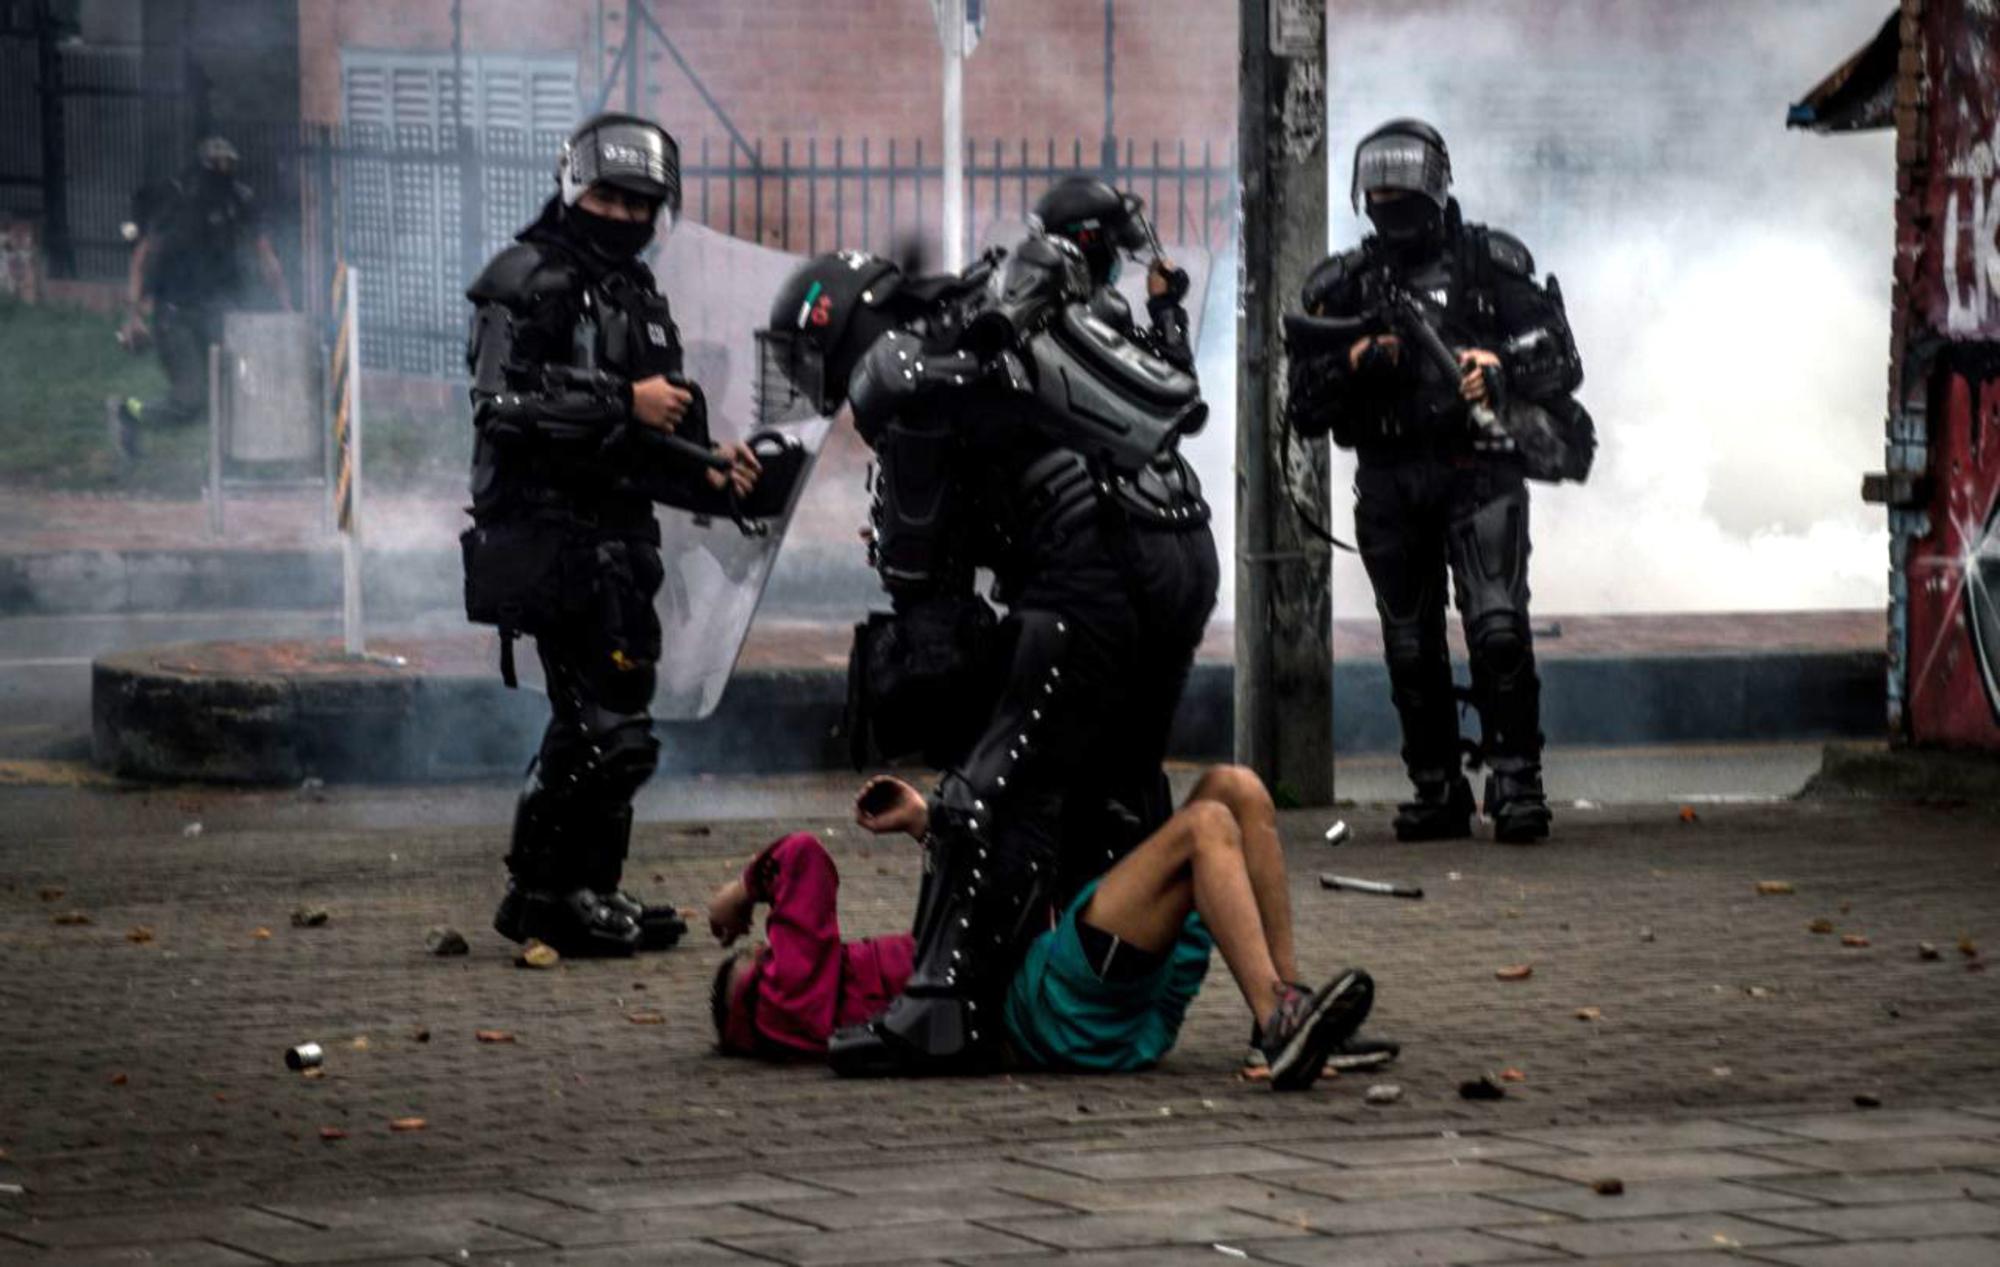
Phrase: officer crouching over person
(584, 420)
(1430, 351)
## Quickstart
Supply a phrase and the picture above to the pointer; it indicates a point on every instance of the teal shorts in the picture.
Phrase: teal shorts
(1062, 1015)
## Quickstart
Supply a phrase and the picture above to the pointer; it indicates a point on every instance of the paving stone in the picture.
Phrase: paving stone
(1886, 1154)
(946, 1176)
(839, 1213)
(1965, 1251)
(171, 1225)
(1902, 1221)
(396, 1211)
(151, 1254)
(1145, 1256)
(652, 1254)
(718, 1190)
(1879, 1124)
(1169, 1163)
(1653, 1137)
(1636, 1167)
(1395, 1249)
(903, 1243)
(1916, 1185)
(1651, 1198)
(1142, 1227)
(339, 1245)
(1393, 1152)
(1340, 1218)
(1206, 1192)
(571, 1228)
(1677, 1234)
(1369, 1182)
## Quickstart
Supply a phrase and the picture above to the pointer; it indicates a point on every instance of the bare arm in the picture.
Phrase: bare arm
(274, 272)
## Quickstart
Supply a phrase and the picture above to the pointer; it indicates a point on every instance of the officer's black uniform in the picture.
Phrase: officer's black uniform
(564, 545)
(1431, 493)
(1108, 571)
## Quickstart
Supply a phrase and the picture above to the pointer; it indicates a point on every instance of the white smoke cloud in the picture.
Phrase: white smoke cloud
(1728, 282)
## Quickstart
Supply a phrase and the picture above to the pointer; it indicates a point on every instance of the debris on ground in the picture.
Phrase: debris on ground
(1384, 1093)
(310, 917)
(72, 919)
(1647, 934)
(1867, 1100)
(421, 1034)
(493, 1035)
(1338, 833)
(537, 954)
(138, 934)
(1514, 972)
(1774, 888)
(302, 1056)
(1820, 925)
(1589, 1013)
(445, 941)
(1484, 1087)
(261, 934)
(407, 1124)
(313, 1074)
(1967, 948)
(1853, 939)
(119, 1079)
(1722, 1071)
(331, 1133)
(646, 1018)
(360, 1042)
(51, 893)
(1583, 805)
(191, 831)
(1512, 1075)
(1925, 950)
(1757, 991)
(1608, 1187)
(1688, 815)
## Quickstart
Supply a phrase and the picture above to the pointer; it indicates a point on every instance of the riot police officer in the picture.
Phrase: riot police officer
(1014, 430)
(583, 420)
(1107, 225)
(1445, 449)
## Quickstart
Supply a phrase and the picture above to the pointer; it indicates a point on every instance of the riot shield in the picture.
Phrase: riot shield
(1982, 605)
(720, 289)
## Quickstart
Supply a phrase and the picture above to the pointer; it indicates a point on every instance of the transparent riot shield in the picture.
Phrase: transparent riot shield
(1982, 604)
(720, 289)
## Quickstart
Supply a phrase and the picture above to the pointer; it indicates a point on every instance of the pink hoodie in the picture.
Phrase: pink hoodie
(806, 982)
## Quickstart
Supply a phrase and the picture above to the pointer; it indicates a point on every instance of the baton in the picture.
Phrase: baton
(1381, 888)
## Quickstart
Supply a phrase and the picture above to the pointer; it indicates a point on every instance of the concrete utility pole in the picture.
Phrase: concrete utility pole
(1284, 602)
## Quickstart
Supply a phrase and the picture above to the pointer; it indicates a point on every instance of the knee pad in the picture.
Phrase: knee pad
(1500, 644)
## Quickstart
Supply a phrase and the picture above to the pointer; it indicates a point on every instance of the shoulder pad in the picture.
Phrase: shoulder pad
(1509, 253)
(1333, 274)
(520, 273)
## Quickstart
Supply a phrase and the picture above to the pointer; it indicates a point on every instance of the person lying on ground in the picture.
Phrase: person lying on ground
(1104, 989)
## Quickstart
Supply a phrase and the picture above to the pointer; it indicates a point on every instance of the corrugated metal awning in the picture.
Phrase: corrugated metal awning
(1860, 94)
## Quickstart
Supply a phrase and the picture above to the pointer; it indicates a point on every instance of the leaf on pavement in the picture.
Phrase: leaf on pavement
(493, 1035)
(1515, 972)
(1774, 888)
(408, 1124)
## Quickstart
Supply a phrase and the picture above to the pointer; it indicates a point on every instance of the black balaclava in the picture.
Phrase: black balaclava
(1409, 225)
(618, 240)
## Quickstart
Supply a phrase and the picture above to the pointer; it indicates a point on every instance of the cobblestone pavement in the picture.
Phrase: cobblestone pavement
(146, 1114)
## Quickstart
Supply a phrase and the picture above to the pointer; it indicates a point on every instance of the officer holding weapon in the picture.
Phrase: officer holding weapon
(584, 420)
(1431, 352)
(1015, 429)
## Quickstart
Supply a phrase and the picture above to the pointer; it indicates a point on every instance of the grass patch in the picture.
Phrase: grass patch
(58, 366)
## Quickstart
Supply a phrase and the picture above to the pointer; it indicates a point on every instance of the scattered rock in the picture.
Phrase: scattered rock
(444, 941)
(191, 830)
(1967, 948)
(1589, 1013)
(645, 1018)
(1514, 972)
(1977, 965)
(638, 985)
(313, 1074)
(1722, 1071)
(1925, 950)
(1820, 925)
(51, 893)
(138, 934)
(695, 829)
(1608, 1187)
(1484, 1087)
(310, 917)
(407, 1124)
(1512, 1075)
(421, 1034)
(1853, 939)
(1384, 1093)
(360, 1043)
(1646, 934)
(537, 954)
(1867, 1100)
(72, 919)
(1774, 888)
(1688, 815)
(1845, 907)
(493, 1035)
(261, 934)
(1757, 991)
(331, 1133)
(119, 1079)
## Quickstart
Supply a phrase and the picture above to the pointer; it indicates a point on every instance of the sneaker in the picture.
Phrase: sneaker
(1304, 1029)
(1358, 1054)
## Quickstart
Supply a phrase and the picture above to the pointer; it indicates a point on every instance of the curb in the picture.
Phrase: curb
(1862, 771)
(405, 726)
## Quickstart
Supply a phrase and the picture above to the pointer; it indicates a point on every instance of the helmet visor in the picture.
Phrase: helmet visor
(1400, 162)
(639, 159)
(791, 379)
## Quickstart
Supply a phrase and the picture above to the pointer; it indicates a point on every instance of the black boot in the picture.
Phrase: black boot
(1442, 810)
(549, 897)
(1515, 801)
(660, 927)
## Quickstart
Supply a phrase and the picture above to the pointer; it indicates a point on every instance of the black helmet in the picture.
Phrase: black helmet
(1100, 220)
(1404, 154)
(625, 151)
(825, 316)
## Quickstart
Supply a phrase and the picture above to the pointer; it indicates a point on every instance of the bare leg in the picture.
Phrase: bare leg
(1243, 794)
(1196, 860)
